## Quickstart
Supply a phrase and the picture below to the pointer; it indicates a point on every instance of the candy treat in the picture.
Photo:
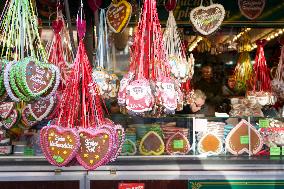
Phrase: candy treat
(11, 120)
(238, 140)
(207, 20)
(151, 144)
(96, 148)
(177, 144)
(251, 9)
(210, 144)
(41, 109)
(61, 144)
(118, 16)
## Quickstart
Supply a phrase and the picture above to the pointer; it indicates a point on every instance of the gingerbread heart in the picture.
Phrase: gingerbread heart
(118, 16)
(210, 144)
(121, 138)
(252, 8)
(152, 144)
(27, 118)
(206, 20)
(11, 120)
(6, 108)
(95, 149)
(62, 144)
(41, 108)
(38, 79)
(237, 141)
(128, 148)
(177, 144)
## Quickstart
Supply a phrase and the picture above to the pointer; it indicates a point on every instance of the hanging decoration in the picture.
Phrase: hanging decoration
(106, 80)
(118, 16)
(147, 89)
(261, 88)
(243, 70)
(251, 9)
(170, 5)
(59, 49)
(278, 81)
(207, 20)
(81, 131)
(29, 76)
(181, 68)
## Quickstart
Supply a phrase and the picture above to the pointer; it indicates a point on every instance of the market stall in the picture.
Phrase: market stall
(172, 94)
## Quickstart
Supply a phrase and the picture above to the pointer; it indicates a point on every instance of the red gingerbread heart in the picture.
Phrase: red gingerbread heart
(62, 144)
(6, 108)
(96, 148)
(252, 8)
(57, 26)
(118, 16)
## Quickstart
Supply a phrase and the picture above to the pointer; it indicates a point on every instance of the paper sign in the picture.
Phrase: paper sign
(275, 151)
(178, 144)
(244, 139)
(131, 186)
(263, 123)
(200, 125)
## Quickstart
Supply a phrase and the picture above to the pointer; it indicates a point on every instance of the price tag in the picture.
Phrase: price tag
(244, 139)
(200, 125)
(178, 144)
(275, 151)
(263, 123)
(131, 186)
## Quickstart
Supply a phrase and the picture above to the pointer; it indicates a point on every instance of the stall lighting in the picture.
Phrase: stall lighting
(240, 34)
(270, 36)
(195, 43)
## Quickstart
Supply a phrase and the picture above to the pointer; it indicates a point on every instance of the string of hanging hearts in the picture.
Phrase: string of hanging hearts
(148, 89)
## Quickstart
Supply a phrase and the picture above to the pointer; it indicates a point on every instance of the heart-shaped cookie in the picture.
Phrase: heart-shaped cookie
(210, 144)
(95, 149)
(37, 79)
(40, 109)
(252, 8)
(118, 15)
(6, 108)
(119, 131)
(177, 144)
(152, 144)
(11, 120)
(128, 148)
(238, 140)
(27, 118)
(62, 144)
(206, 20)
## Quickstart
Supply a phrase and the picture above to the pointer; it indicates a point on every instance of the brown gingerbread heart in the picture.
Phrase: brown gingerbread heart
(177, 144)
(41, 108)
(206, 20)
(6, 108)
(62, 144)
(252, 8)
(210, 144)
(152, 144)
(118, 15)
(95, 149)
(237, 141)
